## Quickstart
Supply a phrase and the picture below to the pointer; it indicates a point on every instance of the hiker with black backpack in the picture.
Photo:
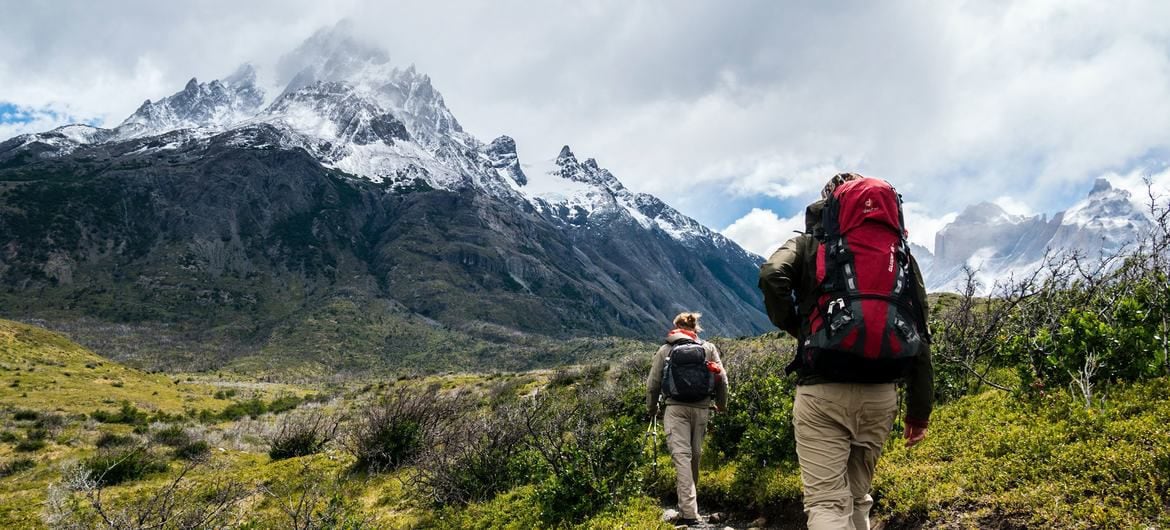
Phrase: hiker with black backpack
(688, 378)
(852, 295)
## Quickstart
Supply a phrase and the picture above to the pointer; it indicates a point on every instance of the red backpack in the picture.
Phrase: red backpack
(865, 324)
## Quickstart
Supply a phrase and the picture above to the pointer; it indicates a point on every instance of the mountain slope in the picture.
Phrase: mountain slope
(218, 230)
(44, 371)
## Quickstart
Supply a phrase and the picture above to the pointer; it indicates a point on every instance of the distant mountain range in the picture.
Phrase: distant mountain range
(222, 220)
(999, 245)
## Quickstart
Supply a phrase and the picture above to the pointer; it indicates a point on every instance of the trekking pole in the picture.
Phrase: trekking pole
(652, 436)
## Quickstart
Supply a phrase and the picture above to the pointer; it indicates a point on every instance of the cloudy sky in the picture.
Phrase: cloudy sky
(734, 112)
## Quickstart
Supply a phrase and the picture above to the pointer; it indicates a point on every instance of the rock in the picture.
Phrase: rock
(669, 515)
(715, 518)
(760, 523)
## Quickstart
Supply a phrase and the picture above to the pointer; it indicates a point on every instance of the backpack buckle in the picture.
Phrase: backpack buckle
(838, 314)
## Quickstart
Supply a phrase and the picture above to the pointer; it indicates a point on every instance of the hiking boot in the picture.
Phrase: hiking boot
(687, 523)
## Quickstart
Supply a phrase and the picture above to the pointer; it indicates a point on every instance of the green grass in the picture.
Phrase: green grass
(43, 371)
(1051, 463)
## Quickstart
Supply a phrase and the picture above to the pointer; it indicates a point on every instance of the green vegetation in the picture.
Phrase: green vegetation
(1054, 397)
(55, 374)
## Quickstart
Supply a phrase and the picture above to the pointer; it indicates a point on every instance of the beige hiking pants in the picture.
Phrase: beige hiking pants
(685, 427)
(840, 429)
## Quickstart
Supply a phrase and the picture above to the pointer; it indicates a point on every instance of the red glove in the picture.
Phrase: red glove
(713, 367)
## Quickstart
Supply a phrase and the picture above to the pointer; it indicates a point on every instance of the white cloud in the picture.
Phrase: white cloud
(953, 102)
(922, 226)
(1013, 206)
(762, 231)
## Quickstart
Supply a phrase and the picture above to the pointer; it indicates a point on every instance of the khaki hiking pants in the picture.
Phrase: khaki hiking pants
(840, 430)
(685, 427)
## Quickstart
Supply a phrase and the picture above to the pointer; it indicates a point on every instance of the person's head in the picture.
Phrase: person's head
(837, 180)
(688, 321)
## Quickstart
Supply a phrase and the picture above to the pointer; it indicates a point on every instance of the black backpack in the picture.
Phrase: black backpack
(685, 376)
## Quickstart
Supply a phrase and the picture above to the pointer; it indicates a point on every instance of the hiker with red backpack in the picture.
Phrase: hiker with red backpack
(688, 378)
(852, 295)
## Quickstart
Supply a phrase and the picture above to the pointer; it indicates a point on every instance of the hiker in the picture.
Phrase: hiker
(689, 375)
(852, 295)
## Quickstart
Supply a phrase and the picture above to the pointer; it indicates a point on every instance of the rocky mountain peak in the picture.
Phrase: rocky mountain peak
(999, 244)
(215, 105)
(1100, 186)
(502, 157)
(588, 172)
(337, 112)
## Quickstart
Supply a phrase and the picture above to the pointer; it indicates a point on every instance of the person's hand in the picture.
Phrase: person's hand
(914, 435)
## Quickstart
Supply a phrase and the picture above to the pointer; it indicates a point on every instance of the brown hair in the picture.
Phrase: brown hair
(688, 321)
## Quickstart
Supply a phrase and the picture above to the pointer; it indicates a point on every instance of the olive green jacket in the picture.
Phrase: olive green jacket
(789, 275)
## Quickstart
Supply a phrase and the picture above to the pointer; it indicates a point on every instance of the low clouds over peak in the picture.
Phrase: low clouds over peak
(954, 103)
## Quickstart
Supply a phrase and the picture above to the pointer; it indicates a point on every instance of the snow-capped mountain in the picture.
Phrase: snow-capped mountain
(213, 106)
(999, 244)
(353, 180)
(351, 109)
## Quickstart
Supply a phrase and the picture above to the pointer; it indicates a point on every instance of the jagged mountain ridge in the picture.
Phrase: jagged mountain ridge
(999, 245)
(354, 182)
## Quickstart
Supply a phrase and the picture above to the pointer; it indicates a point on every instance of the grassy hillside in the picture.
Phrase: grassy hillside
(44, 371)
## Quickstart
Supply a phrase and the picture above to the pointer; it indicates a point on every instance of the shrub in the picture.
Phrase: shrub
(252, 408)
(757, 428)
(484, 456)
(392, 432)
(127, 414)
(109, 439)
(31, 444)
(50, 422)
(122, 464)
(593, 457)
(25, 415)
(284, 404)
(15, 466)
(173, 435)
(192, 450)
(301, 435)
(213, 501)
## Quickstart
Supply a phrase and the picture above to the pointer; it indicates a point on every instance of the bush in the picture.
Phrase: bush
(118, 465)
(109, 439)
(284, 404)
(593, 457)
(484, 456)
(25, 415)
(29, 445)
(15, 466)
(252, 408)
(392, 432)
(173, 435)
(301, 436)
(757, 427)
(50, 422)
(127, 414)
(192, 450)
